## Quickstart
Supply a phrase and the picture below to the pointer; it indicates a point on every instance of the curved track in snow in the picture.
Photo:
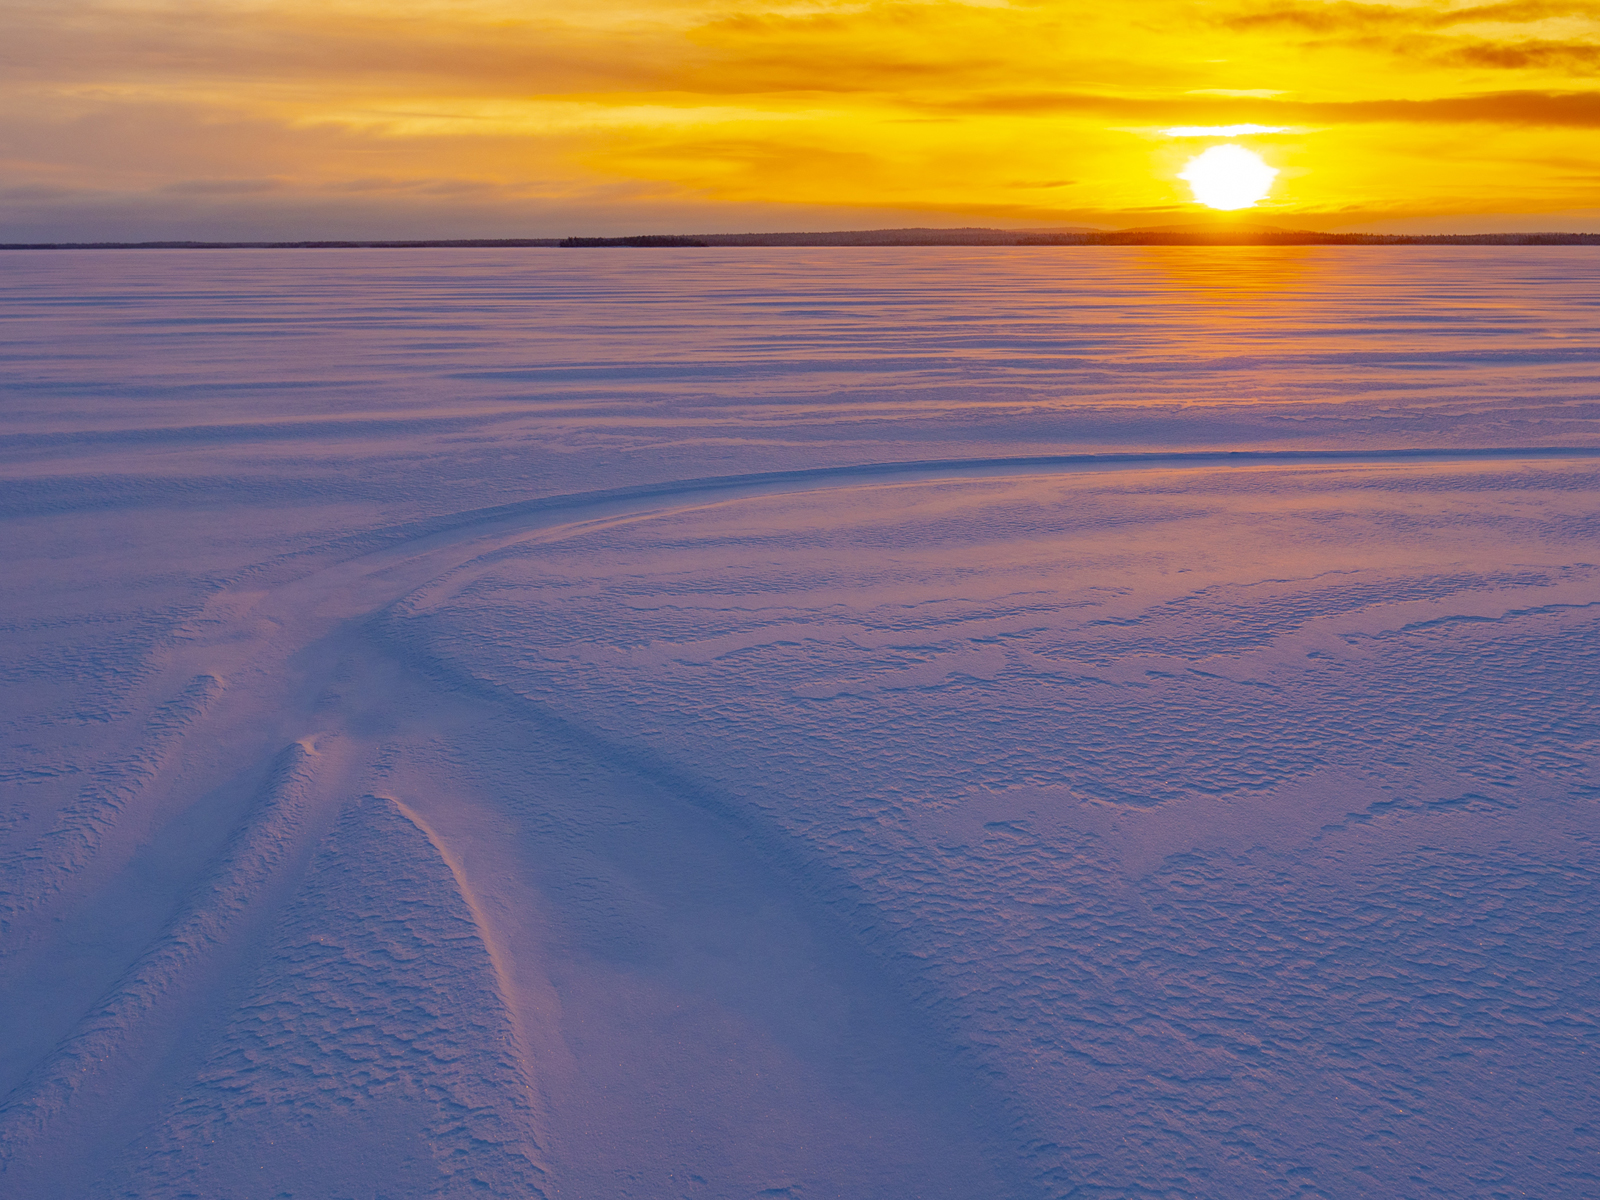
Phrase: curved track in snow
(367, 891)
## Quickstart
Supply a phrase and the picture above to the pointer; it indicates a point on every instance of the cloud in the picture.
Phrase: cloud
(215, 107)
(1574, 110)
(1432, 34)
(1576, 58)
(1220, 131)
(1518, 12)
(221, 187)
(1348, 16)
(173, 49)
(29, 193)
(1342, 16)
(1562, 110)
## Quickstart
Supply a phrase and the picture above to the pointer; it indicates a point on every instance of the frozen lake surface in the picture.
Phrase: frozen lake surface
(788, 723)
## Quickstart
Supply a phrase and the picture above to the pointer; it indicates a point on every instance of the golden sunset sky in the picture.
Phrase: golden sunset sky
(452, 118)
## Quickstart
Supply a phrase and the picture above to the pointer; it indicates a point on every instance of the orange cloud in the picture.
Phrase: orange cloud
(1576, 58)
(487, 116)
(1344, 16)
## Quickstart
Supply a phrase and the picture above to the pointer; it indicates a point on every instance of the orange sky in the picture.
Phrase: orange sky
(285, 118)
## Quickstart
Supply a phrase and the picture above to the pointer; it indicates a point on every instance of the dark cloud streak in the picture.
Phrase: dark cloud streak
(1572, 57)
(1348, 16)
(1568, 110)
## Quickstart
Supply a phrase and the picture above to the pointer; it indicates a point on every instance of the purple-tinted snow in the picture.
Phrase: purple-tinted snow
(497, 723)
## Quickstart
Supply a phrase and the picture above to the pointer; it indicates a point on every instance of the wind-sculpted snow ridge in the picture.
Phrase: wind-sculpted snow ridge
(787, 725)
(597, 505)
(111, 1039)
(375, 1022)
(80, 828)
(1181, 823)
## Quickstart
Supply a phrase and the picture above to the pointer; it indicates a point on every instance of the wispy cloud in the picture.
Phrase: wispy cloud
(1222, 131)
(1349, 16)
(1040, 111)
(1477, 37)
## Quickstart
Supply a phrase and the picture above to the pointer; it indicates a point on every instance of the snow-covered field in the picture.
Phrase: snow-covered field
(786, 723)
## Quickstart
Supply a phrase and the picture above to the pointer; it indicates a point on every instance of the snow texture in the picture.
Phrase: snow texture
(952, 723)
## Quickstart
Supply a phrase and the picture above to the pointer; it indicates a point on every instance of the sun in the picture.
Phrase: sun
(1228, 177)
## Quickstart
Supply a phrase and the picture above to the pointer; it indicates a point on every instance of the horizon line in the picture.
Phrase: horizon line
(1196, 233)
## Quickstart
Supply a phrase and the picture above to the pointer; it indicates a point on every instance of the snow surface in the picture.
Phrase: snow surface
(524, 724)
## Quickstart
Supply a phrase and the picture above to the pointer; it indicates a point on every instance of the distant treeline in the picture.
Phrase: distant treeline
(1254, 235)
(644, 240)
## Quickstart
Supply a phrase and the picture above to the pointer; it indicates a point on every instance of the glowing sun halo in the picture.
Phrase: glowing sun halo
(1228, 177)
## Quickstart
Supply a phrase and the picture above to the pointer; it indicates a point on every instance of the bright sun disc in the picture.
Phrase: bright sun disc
(1228, 177)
